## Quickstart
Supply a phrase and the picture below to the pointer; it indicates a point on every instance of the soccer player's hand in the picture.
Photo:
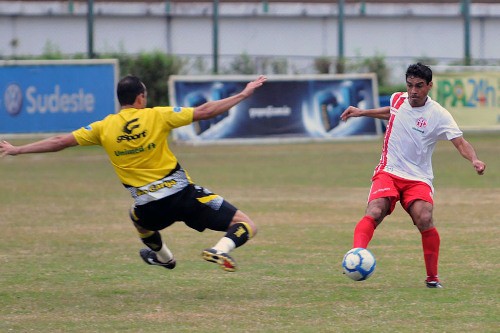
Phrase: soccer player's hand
(251, 86)
(351, 111)
(480, 166)
(6, 149)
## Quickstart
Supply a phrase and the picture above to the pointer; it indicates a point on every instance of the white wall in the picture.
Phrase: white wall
(397, 31)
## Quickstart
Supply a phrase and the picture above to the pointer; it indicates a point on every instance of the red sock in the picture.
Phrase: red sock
(430, 245)
(363, 232)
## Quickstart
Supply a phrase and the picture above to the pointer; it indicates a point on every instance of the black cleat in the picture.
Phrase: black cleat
(433, 284)
(150, 258)
(223, 259)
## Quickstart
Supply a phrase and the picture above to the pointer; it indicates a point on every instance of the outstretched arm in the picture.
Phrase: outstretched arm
(51, 144)
(380, 113)
(467, 151)
(214, 108)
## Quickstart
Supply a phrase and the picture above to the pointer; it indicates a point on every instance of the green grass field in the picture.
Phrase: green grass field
(69, 256)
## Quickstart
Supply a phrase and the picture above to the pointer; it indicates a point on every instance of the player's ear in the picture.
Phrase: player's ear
(139, 99)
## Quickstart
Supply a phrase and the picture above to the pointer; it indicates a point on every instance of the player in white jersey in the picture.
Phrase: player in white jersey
(404, 173)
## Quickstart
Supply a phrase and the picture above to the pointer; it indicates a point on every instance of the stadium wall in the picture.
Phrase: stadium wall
(296, 31)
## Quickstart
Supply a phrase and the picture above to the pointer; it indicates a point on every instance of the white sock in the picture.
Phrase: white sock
(224, 245)
(164, 255)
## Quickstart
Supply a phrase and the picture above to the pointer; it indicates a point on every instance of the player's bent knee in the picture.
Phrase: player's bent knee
(242, 218)
(135, 220)
(424, 225)
(132, 215)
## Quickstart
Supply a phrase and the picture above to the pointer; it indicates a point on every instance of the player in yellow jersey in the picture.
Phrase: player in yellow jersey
(135, 140)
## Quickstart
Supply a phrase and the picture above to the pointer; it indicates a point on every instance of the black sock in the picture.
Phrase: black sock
(152, 240)
(239, 233)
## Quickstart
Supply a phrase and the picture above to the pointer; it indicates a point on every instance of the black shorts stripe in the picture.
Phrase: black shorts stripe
(186, 207)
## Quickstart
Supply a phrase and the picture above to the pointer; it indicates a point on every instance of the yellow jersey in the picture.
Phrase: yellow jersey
(135, 141)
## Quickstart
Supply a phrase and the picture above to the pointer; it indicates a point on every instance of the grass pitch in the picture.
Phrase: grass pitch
(69, 256)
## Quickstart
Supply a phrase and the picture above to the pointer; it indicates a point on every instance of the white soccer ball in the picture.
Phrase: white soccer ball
(359, 264)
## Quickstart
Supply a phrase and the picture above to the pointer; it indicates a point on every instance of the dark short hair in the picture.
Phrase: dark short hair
(421, 71)
(128, 89)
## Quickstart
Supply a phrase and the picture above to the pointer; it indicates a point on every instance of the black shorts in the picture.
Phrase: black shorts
(194, 205)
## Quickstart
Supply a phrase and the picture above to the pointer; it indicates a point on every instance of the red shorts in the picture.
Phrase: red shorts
(386, 185)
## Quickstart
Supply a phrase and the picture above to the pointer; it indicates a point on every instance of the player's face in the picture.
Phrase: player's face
(417, 90)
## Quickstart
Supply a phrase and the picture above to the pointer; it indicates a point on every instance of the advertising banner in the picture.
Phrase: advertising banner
(473, 98)
(55, 96)
(285, 107)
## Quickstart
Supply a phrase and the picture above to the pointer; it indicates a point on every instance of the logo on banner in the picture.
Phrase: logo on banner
(13, 99)
(470, 92)
(42, 103)
(58, 102)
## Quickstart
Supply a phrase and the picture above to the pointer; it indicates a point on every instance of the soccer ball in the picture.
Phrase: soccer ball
(359, 264)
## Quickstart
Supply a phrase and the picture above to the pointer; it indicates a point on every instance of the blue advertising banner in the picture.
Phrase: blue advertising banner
(286, 107)
(55, 96)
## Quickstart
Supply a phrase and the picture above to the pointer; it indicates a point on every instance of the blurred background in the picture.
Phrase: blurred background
(157, 39)
(267, 36)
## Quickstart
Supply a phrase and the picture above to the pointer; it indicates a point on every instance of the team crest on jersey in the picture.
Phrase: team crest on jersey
(421, 122)
(177, 109)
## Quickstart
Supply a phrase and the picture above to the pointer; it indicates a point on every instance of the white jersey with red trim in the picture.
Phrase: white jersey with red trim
(411, 136)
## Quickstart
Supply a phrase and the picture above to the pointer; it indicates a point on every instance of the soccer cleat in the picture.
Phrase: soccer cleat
(150, 258)
(433, 284)
(223, 259)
